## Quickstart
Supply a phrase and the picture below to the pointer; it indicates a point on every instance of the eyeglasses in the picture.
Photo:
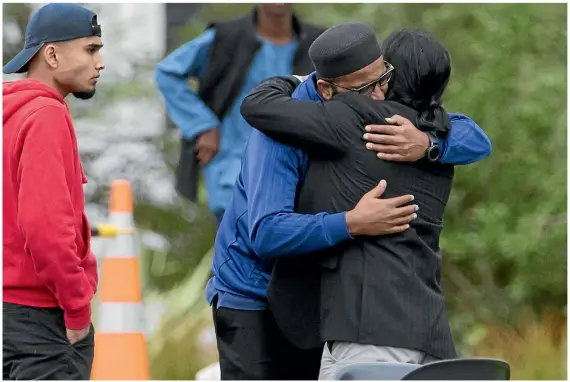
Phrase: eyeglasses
(368, 88)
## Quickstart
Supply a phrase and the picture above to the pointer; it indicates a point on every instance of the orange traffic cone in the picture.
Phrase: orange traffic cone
(120, 348)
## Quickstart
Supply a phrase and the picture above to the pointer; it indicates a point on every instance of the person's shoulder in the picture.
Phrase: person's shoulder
(48, 101)
(312, 30)
(228, 23)
(261, 142)
(343, 104)
(399, 108)
(354, 101)
(368, 109)
(46, 115)
(46, 106)
(43, 109)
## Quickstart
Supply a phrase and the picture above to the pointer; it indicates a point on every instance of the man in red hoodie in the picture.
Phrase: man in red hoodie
(49, 271)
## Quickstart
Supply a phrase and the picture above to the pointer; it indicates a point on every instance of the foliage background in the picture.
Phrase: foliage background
(505, 233)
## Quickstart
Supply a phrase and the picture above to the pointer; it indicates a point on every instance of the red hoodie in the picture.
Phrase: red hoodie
(46, 252)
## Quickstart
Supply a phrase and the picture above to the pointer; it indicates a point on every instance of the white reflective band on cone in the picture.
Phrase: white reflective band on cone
(123, 245)
(120, 317)
(122, 219)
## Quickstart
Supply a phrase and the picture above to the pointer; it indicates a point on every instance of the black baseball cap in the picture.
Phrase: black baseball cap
(53, 22)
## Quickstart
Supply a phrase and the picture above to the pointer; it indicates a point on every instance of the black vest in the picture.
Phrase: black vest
(383, 290)
(234, 48)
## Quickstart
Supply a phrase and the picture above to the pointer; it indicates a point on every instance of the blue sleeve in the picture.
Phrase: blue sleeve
(271, 174)
(183, 105)
(466, 143)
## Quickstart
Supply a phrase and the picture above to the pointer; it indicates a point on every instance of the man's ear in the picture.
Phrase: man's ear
(326, 89)
(49, 54)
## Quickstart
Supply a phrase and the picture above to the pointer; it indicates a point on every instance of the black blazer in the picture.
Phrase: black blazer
(383, 290)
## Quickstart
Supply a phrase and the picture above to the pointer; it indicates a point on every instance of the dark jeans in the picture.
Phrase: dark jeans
(35, 346)
(251, 347)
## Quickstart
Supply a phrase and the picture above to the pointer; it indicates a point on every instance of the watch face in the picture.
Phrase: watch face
(433, 153)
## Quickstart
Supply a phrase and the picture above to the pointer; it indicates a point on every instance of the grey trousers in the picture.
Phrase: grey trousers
(347, 353)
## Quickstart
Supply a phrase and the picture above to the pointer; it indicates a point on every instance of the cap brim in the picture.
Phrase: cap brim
(19, 63)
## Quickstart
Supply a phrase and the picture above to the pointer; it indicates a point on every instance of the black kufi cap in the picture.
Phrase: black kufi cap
(344, 49)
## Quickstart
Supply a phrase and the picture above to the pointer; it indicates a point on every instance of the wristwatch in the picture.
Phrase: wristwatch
(432, 152)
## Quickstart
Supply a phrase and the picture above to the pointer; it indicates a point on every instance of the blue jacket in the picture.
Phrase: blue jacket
(260, 224)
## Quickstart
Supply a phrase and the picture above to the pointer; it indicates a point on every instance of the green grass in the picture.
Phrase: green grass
(536, 349)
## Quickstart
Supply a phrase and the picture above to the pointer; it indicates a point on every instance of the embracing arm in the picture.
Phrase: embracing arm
(466, 142)
(271, 181)
(309, 125)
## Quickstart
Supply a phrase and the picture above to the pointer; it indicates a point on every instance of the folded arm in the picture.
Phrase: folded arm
(46, 173)
(271, 176)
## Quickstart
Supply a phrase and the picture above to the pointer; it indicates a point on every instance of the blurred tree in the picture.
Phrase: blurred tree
(14, 20)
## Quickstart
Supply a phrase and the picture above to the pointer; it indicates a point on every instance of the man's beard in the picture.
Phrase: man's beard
(84, 95)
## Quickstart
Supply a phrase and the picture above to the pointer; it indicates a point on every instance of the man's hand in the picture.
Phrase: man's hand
(207, 146)
(76, 335)
(401, 143)
(374, 216)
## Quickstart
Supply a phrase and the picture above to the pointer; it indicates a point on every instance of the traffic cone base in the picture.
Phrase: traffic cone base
(120, 356)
